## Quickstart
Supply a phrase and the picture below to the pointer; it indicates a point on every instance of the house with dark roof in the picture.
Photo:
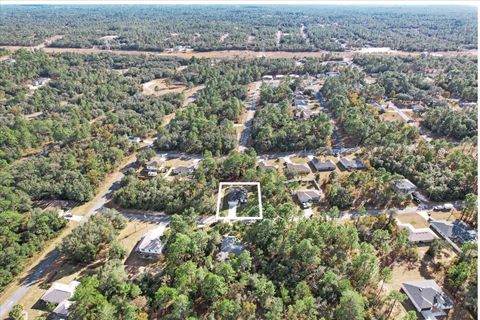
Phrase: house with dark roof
(230, 246)
(404, 186)
(298, 168)
(456, 231)
(428, 298)
(320, 166)
(236, 196)
(355, 164)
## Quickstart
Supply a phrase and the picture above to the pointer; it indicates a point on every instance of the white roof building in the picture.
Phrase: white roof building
(151, 245)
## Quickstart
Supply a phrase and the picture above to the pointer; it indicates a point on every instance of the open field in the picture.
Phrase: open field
(159, 87)
(246, 54)
(391, 116)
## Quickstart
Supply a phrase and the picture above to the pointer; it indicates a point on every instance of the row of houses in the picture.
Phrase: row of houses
(318, 165)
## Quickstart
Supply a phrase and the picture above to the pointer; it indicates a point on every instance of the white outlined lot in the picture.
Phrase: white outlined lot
(232, 216)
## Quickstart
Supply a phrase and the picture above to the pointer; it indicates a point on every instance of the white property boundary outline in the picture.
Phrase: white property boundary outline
(219, 198)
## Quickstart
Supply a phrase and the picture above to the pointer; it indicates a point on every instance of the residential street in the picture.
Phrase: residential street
(37, 271)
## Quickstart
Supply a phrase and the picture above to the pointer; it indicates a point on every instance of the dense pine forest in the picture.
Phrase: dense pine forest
(307, 28)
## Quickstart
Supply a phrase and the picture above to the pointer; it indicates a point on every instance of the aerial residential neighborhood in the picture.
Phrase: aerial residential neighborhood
(238, 161)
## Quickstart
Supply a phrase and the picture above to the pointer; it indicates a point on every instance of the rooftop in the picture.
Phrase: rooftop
(455, 230)
(308, 195)
(426, 295)
(352, 164)
(59, 292)
(323, 165)
(151, 243)
(230, 245)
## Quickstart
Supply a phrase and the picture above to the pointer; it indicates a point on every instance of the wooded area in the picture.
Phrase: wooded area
(247, 27)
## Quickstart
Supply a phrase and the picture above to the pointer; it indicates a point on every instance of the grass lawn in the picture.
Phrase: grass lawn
(449, 216)
(414, 219)
(299, 160)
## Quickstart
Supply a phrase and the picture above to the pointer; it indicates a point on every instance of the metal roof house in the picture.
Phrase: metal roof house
(323, 165)
(350, 165)
(404, 186)
(456, 231)
(230, 245)
(428, 298)
(150, 247)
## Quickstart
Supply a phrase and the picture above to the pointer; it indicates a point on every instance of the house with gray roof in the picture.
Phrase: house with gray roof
(428, 298)
(320, 166)
(404, 186)
(307, 197)
(230, 245)
(184, 170)
(298, 168)
(59, 294)
(456, 231)
(350, 165)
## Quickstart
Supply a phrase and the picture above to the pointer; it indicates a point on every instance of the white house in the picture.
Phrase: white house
(151, 246)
